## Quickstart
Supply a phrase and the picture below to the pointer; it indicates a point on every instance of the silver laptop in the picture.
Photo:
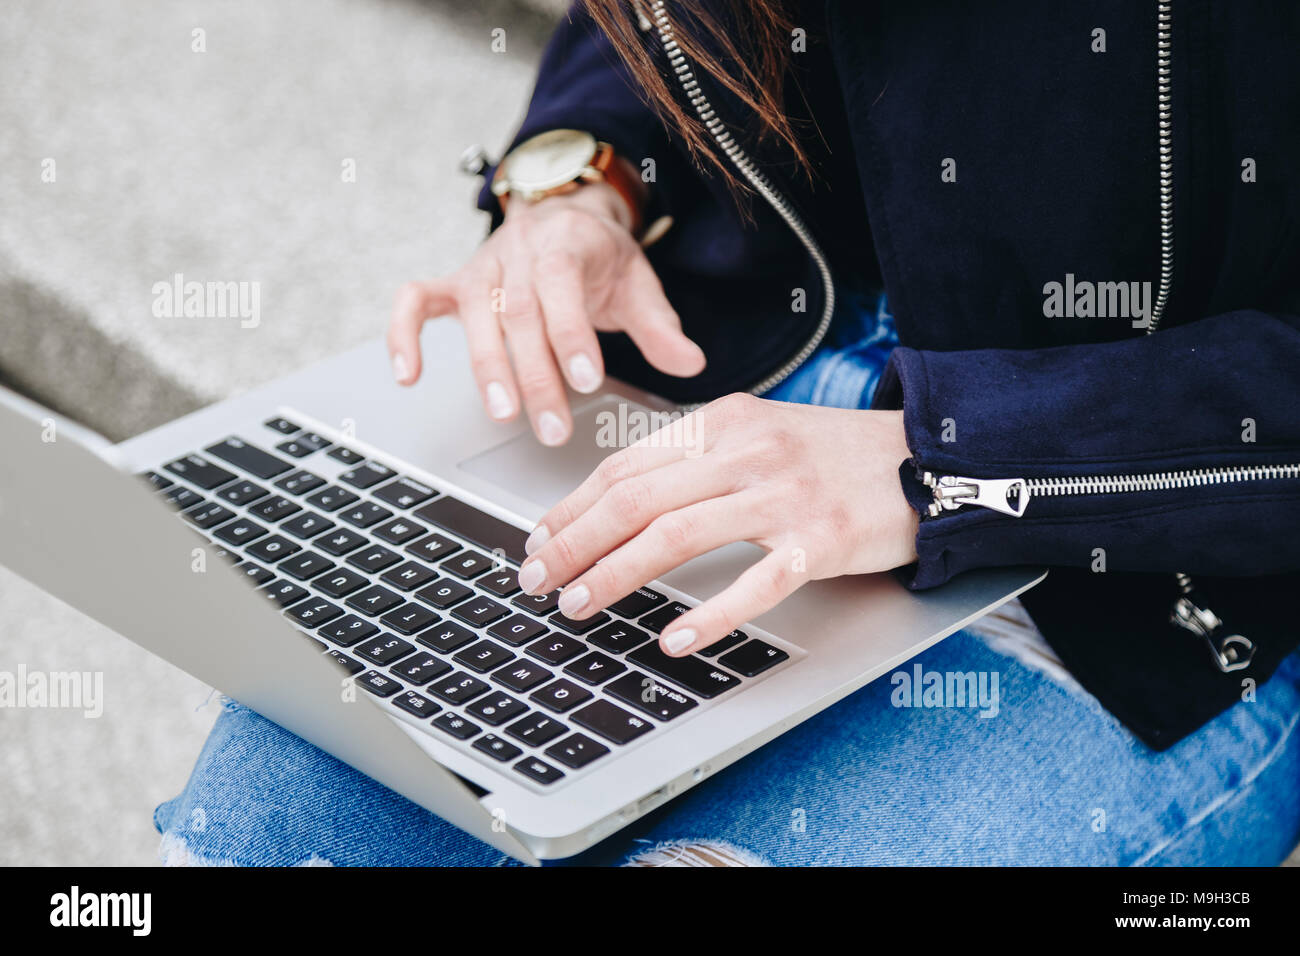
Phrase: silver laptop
(339, 554)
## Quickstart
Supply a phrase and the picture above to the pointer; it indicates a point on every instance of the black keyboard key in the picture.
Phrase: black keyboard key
(345, 662)
(696, 675)
(242, 493)
(613, 723)
(496, 709)
(314, 612)
(404, 493)
(467, 564)
(491, 534)
(637, 603)
(284, 593)
(420, 669)
(650, 696)
(617, 637)
(341, 583)
(305, 444)
(345, 455)
(365, 514)
(522, 676)
(539, 770)
(257, 575)
(414, 704)
(383, 649)
(723, 644)
(399, 531)
(348, 630)
(157, 480)
(578, 627)
(274, 509)
(556, 649)
(457, 726)
(409, 619)
(484, 656)
(561, 695)
(446, 637)
(282, 425)
(363, 476)
(576, 751)
(539, 604)
(305, 566)
(656, 621)
(502, 582)
(307, 525)
(250, 458)
(753, 658)
(300, 482)
(536, 729)
(595, 668)
(381, 685)
(332, 498)
(517, 629)
(432, 548)
(208, 515)
(182, 498)
(497, 747)
(374, 601)
(273, 549)
(458, 688)
(479, 611)
(374, 559)
(408, 576)
(443, 593)
(199, 471)
(340, 542)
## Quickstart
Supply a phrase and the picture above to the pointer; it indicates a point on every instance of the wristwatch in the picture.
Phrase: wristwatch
(559, 161)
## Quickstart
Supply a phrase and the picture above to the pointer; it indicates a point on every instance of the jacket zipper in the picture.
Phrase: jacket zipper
(756, 178)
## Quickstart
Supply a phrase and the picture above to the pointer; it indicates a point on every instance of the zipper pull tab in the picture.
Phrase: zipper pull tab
(1231, 652)
(1007, 495)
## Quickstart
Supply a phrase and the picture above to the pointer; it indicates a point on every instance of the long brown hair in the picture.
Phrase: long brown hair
(748, 56)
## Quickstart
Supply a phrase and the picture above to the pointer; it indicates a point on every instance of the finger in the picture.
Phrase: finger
(488, 358)
(679, 440)
(624, 511)
(654, 326)
(416, 303)
(539, 380)
(559, 284)
(760, 588)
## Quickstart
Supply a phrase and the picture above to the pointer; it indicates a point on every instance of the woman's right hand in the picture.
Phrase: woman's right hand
(531, 299)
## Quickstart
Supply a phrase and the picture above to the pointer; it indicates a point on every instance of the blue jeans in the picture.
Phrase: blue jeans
(1046, 777)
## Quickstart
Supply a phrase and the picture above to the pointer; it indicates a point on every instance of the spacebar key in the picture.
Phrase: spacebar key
(696, 675)
(487, 532)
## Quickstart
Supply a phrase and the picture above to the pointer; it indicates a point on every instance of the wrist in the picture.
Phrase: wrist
(598, 198)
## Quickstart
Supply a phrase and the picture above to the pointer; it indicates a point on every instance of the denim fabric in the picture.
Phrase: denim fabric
(1047, 777)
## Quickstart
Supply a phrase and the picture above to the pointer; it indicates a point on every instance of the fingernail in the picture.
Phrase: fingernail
(583, 374)
(538, 538)
(550, 429)
(498, 401)
(678, 641)
(531, 576)
(401, 371)
(573, 600)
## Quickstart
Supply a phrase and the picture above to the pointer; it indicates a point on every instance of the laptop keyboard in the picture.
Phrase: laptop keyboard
(414, 594)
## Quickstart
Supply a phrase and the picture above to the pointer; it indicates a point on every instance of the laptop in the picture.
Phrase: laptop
(340, 554)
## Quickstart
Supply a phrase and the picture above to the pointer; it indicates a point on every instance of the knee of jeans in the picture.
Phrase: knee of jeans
(695, 853)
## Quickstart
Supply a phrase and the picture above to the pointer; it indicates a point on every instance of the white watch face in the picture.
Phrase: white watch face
(549, 160)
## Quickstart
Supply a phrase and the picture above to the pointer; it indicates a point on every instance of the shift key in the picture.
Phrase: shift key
(696, 675)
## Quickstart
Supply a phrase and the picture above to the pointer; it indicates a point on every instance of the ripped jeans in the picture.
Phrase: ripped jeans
(1036, 773)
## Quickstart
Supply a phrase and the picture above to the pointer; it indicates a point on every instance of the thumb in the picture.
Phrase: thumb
(654, 326)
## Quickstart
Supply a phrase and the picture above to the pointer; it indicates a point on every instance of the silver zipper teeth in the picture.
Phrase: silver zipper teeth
(762, 185)
(1165, 113)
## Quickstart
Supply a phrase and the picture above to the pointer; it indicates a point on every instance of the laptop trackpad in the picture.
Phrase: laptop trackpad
(527, 468)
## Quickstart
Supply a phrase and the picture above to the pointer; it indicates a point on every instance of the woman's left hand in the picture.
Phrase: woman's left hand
(816, 487)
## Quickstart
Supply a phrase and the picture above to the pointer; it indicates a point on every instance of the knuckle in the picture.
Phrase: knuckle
(630, 498)
(563, 551)
(614, 469)
(535, 382)
(736, 407)
(556, 262)
(675, 530)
